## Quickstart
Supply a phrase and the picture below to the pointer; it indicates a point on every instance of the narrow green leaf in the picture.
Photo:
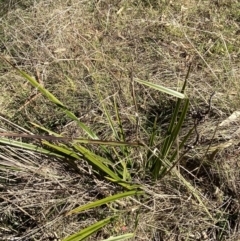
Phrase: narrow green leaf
(45, 129)
(53, 99)
(170, 140)
(177, 128)
(96, 161)
(41, 88)
(162, 89)
(181, 120)
(81, 235)
(104, 201)
(30, 147)
(67, 151)
(173, 164)
(99, 162)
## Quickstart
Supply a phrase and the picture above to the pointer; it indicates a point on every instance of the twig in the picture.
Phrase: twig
(200, 117)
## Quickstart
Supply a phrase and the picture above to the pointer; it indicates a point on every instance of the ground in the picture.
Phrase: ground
(89, 54)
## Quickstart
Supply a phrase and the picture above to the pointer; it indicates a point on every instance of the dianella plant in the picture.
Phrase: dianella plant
(159, 162)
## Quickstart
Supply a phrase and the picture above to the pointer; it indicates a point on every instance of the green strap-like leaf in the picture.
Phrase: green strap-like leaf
(26, 146)
(81, 235)
(104, 201)
(162, 89)
(55, 100)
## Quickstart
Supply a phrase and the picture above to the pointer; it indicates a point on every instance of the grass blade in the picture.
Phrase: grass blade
(104, 201)
(162, 89)
(55, 100)
(98, 162)
(81, 235)
(170, 140)
(27, 146)
(172, 134)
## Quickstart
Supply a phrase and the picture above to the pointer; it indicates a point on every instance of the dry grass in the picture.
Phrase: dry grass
(86, 53)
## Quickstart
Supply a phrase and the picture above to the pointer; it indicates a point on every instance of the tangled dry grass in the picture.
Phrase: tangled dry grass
(89, 52)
